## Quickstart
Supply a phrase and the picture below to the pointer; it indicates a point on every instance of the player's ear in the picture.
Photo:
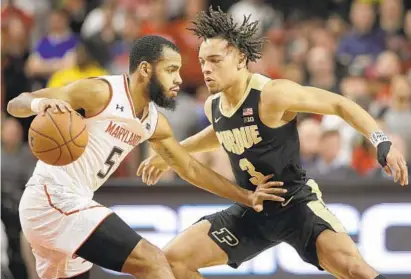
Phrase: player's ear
(145, 69)
(242, 61)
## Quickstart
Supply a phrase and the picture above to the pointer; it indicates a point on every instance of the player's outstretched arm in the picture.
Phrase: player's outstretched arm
(194, 172)
(280, 96)
(88, 94)
(203, 141)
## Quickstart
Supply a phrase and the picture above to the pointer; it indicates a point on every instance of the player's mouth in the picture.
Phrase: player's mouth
(175, 90)
(208, 80)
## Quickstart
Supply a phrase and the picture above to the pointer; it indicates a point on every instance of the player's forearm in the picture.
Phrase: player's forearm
(357, 117)
(204, 141)
(206, 179)
(21, 106)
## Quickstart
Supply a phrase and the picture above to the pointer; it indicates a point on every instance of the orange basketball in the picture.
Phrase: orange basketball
(58, 139)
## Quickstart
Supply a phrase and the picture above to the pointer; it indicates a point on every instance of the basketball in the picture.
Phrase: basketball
(58, 139)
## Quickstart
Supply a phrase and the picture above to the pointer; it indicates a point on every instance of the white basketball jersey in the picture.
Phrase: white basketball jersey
(112, 134)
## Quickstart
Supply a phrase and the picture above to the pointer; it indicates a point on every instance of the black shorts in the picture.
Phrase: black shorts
(243, 233)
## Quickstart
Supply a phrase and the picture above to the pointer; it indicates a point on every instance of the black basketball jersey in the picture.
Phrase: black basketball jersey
(254, 149)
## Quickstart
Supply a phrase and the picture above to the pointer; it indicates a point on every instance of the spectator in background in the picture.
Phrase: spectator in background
(102, 42)
(5, 272)
(294, 73)
(97, 19)
(188, 43)
(77, 10)
(86, 66)
(356, 89)
(54, 51)
(17, 166)
(121, 47)
(309, 132)
(405, 52)
(321, 69)
(364, 43)
(387, 66)
(258, 10)
(364, 157)
(398, 115)
(328, 164)
(391, 16)
(272, 61)
(156, 20)
(14, 55)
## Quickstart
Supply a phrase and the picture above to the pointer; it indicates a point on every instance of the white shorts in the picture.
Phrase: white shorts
(56, 221)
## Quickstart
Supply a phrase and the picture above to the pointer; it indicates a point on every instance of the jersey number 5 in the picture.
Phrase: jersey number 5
(256, 177)
(110, 162)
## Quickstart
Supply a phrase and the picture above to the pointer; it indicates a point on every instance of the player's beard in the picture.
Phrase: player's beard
(156, 91)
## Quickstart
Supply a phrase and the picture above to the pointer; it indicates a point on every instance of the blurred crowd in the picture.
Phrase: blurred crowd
(359, 49)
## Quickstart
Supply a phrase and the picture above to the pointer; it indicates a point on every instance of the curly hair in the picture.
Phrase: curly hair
(216, 23)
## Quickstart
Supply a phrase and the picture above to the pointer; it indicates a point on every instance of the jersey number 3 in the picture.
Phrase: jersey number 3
(115, 152)
(256, 177)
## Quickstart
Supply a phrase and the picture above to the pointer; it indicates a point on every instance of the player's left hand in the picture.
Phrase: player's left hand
(267, 191)
(397, 166)
(151, 169)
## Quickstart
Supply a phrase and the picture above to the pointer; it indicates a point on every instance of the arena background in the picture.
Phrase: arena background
(359, 49)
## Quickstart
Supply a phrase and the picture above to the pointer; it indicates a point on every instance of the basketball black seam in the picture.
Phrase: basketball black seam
(59, 146)
(61, 134)
(47, 138)
(72, 140)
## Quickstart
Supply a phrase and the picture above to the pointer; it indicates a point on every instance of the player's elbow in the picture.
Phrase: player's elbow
(16, 109)
(12, 108)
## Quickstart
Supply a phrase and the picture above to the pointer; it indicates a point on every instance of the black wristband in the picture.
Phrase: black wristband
(382, 151)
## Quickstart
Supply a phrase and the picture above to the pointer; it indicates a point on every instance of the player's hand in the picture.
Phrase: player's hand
(267, 191)
(396, 166)
(151, 169)
(54, 105)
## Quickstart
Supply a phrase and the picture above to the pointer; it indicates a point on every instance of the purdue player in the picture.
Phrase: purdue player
(66, 228)
(254, 119)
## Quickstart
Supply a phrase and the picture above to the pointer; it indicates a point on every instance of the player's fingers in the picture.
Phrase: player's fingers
(140, 168)
(146, 173)
(150, 175)
(387, 170)
(403, 174)
(157, 176)
(54, 108)
(266, 178)
(269, 197)
(258, 207)
(275, 191)
(395, 169)
(272, 184)
(68, 106)
(61, 107)
(44, 108)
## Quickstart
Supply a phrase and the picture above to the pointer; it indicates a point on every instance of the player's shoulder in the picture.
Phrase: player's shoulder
(163, 128)
(274, 92)
(208, 104)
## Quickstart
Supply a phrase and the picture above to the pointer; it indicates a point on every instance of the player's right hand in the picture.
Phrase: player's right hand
(54, 105)
(267, 191)
(151, 169)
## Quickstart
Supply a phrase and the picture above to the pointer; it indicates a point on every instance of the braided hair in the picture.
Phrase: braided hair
(216, 23)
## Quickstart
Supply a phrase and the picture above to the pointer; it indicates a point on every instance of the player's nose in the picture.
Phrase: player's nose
(206, 69)
(178, 80)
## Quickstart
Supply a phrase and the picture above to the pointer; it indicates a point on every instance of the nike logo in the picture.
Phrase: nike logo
(285, 203)
(217, 119)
